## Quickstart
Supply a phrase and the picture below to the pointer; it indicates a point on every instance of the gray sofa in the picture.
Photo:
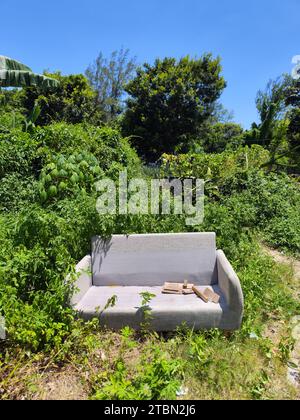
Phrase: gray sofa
(126, 266)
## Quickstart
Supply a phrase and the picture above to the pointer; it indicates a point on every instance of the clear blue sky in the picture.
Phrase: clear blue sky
(256, 39)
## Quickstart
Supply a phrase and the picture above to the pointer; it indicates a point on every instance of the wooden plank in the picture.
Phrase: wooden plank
(175, 287)
(178, 288)
(209, 294)
(212, 296)
(188, 291)
(200, 294)
(216, 298)
(171, 292)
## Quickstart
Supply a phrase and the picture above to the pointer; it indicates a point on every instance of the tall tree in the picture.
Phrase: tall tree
(293, 132)
(271, 106)
(169, 101)
(109, 77)
(279, 109)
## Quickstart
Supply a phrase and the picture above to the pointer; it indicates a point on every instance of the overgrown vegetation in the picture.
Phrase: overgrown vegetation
(48, 215)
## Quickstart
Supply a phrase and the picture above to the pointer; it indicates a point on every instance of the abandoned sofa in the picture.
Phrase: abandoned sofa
(126, 266)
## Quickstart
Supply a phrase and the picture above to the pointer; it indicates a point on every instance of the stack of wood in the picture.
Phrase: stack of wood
(188, 289)
(178, 288)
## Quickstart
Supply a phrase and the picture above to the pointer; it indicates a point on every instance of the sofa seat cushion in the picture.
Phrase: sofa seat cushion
(168, 311)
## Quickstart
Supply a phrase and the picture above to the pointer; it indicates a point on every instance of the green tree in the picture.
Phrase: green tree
(169, 101)
(108, 77)
(15, 74)
(221, 136)
(271, 107)
(271, 132)
(73, 101)
(293, 132)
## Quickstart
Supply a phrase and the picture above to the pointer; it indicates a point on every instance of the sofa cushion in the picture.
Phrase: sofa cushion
(168, 311)
(151, 260)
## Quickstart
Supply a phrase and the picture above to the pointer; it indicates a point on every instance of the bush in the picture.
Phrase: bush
(72, 101)
(17, 191)
(68, 175)
(218, 168)
(156, 377)
(106, 144)
(18, 154)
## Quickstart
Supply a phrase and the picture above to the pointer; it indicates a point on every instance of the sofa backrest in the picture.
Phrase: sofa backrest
(151, 260)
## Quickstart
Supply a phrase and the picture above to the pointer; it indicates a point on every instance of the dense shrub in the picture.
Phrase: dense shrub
(67, 175)
(46, 190)
(18, 154)
(216, 138)
(217, 167)
(106, 143)
(16, 191)
(72, 101)
(10, 120)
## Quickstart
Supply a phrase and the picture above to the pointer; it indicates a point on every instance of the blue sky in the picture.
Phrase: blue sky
(256, 39)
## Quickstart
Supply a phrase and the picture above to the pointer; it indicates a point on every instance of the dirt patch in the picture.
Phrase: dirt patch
(64, 385)
(274, 331)
(291, 262)
(284, 259)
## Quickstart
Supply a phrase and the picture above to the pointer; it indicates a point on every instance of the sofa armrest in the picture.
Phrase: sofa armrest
(84, 279)
(229, 284)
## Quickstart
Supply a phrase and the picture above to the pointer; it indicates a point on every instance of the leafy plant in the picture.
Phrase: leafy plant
(16, 74)
(146, 310)
(66, 175)
(156, 377)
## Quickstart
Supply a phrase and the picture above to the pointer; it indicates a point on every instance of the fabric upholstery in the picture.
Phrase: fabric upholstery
(151, 260)
(168, 311)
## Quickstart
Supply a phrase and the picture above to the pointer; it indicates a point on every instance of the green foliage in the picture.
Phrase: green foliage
(156, 377)
(106, 144)
(29, 122)
(108, 77)
(16, 74)
(271, 106)
(215, 138)
(275, 202)
(67, 175)
(10, 120)
(17, 154)
(169, 101)
(278, 107)
(73, 101)
(10, 110)
(146, 310)
(221, 166)
(293, 100)
(24, 191)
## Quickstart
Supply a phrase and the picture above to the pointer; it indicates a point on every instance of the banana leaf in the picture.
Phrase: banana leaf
(16, 74)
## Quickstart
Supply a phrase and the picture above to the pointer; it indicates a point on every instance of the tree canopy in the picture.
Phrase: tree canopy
(169, 101)
(108, 78)
(74, 101)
